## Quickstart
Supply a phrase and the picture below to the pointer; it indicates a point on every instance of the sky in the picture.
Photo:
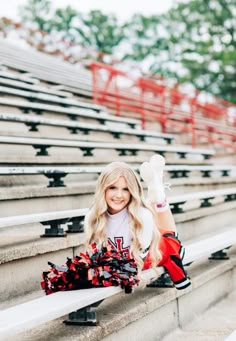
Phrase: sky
(122, 8)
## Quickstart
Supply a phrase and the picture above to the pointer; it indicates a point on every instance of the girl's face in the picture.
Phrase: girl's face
(117, 196)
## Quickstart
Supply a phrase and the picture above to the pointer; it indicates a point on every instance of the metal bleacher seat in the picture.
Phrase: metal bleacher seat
(56, 218)
(55, 174)
(42, 144)
(33, 122)
(88, 111)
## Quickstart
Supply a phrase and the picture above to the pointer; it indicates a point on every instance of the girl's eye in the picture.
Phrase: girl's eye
(112, 187)
(126, 189)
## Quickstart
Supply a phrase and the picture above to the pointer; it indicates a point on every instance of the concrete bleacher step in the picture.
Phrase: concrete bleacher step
(45, 67)
(34, 124)
(46, 187)
(49, 98)
(64, 176)
(31, 182)
(87, 149)
(14, 81)
(23, 252)
(216, 324)
(135, 316)
(87, 111)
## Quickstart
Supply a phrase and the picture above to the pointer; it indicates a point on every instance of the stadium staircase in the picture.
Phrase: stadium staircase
(53, 144)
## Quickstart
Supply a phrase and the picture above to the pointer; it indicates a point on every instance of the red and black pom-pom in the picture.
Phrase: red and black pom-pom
(100, 267)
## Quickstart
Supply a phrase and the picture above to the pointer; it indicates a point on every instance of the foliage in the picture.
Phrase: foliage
(37, 12)
(203, 36)
(193, 42)
(99, 31)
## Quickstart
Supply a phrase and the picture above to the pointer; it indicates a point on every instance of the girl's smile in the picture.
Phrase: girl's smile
(117, 196)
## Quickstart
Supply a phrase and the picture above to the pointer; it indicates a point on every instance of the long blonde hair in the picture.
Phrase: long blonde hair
(96, 220)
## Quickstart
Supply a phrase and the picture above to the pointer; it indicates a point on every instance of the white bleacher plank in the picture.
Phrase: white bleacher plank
(20, 170)
(205, 247)
(81, 125)
(28, 315)
(49, 73)
(49, 98)
(88, 112)
(33, 88)
(48, 170)
(216, 167)
(37, 217)
(231, 337)
(201, 195)
(104, 145)
(18, 77)
(36, 312)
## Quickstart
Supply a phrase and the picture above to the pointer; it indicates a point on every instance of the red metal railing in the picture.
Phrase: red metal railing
(151, 99)
(155, 100)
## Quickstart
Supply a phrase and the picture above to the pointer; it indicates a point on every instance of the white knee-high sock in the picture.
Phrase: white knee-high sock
(152, 174)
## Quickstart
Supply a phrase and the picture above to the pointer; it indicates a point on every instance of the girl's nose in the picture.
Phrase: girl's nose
(119, 193)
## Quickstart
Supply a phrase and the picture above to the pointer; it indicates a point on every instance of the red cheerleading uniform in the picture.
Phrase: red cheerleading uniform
(169, 245)
(172, 255)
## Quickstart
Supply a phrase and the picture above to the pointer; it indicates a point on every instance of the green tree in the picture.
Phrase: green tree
(63, 21)
(37, 13)
(193, 42)
(99, 31)
(95, 30)
(150, 46)
(205, 45)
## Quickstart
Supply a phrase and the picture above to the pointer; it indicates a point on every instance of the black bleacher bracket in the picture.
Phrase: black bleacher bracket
(102, 121)
(87, 151)
(133, 152)
(225, 172)
(132, 125)
(230, 197)
(164, 281)
(73, 130)
(55, 229)
(33, 126)
(175, 207)
(122, 152)
(86, 316)
(142, 138)
(161, 152)
(125, 152)
(219, 255)
(182, 155)
(206, 173)
(73, 117)
(76, 225)
(28, 111)
(85, 131)
(176, 174)
(116, 135)
(56, 176)
(42, 149)
(205, 202)
(168, 140)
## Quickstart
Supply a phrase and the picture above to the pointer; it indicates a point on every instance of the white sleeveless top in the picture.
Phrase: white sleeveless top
(118, 232)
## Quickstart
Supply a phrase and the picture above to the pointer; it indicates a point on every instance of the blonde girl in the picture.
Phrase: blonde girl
(121, 217)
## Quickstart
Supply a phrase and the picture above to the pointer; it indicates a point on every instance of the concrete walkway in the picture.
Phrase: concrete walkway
(214, 325)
